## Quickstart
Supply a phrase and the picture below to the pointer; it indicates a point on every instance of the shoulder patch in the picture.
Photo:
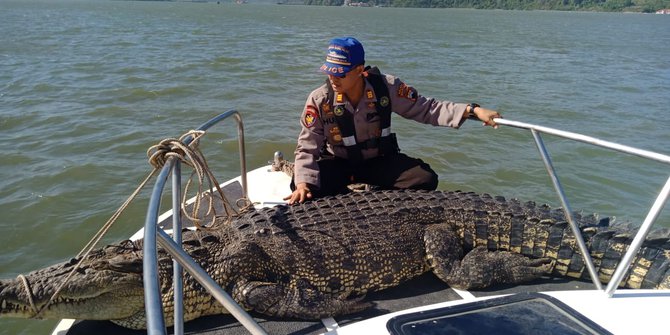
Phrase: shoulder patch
(310, 117)
(407, 92)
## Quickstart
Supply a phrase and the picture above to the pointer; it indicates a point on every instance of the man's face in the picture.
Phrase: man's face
(347, 83)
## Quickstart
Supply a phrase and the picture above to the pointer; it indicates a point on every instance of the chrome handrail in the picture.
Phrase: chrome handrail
(644, 229)
(153, 233)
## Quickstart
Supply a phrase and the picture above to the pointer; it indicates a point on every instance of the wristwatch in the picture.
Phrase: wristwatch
(472, 114)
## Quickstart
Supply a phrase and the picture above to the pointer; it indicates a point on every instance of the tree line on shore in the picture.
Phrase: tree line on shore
(645, 6)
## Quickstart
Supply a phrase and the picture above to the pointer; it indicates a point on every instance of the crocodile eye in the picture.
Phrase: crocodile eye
(210, 239)
(123, 264)
(242, 226)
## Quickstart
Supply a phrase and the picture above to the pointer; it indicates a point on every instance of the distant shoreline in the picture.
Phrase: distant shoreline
(607, 6)
(621, 6)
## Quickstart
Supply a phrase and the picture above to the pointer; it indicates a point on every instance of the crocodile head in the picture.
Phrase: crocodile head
(106, 285)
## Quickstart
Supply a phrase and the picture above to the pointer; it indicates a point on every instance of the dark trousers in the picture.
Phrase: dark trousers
(395, 171)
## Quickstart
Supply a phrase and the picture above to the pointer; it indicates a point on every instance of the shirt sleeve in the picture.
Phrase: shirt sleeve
(408, 103)
(310, 142)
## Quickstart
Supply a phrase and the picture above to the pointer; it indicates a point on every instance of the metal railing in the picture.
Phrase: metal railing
(153, 234)
(644, 229)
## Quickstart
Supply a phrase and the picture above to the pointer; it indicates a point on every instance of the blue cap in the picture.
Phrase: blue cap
(344, 54)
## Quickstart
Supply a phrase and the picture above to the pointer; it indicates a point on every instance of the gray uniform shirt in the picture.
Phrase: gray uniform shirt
(319, 126)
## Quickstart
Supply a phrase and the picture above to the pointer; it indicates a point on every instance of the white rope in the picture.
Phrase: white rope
(29, 292)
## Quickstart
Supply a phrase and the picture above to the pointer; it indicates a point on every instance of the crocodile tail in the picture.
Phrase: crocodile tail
(539, 231)
(650, 268)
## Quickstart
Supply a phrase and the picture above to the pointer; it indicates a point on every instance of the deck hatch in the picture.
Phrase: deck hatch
(523, 313)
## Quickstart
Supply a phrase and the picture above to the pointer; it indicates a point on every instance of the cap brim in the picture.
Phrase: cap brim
(335, 70)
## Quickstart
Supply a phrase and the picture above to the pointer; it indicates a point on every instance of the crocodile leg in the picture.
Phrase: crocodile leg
(480, 268)
(443, 250)
(301, 300)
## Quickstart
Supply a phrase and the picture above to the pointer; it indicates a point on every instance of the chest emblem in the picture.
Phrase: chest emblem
(384, 101)
(326, 109)
(335, 134)
(339, 110)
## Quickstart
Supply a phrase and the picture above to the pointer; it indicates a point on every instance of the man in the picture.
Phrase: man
(346, 137)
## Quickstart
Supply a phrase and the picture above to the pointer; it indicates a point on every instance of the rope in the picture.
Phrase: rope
(101, 233)
(29, 292)
(158, 155)
(192, 156)
(86, 250)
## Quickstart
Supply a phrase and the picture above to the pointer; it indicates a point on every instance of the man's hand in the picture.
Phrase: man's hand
(487, 116)
(301, 194)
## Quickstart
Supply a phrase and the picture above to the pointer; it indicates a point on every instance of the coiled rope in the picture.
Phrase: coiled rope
(159, 155)
(192, 156)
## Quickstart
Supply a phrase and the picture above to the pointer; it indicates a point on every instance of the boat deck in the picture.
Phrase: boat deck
(267, 189)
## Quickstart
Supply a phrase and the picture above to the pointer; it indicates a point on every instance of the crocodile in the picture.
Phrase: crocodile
(320, 258)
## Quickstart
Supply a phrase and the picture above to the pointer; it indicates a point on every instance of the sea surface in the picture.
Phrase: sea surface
(86, 87)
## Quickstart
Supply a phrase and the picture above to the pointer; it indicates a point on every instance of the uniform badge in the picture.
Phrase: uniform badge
(335, 134)
(384, 101)
(369, 94)
(339, 110)
(339, 98)
(371, 105)
(326, 109)
(310, 117)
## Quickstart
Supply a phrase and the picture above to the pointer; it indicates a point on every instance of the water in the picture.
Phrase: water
(87, 86)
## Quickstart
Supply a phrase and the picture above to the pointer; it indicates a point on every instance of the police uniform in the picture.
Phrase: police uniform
(322, 160)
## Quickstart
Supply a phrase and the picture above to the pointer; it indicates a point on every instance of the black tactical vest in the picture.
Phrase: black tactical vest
(386, 142)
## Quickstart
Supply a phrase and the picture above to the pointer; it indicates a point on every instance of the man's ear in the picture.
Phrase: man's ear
(359, 69)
